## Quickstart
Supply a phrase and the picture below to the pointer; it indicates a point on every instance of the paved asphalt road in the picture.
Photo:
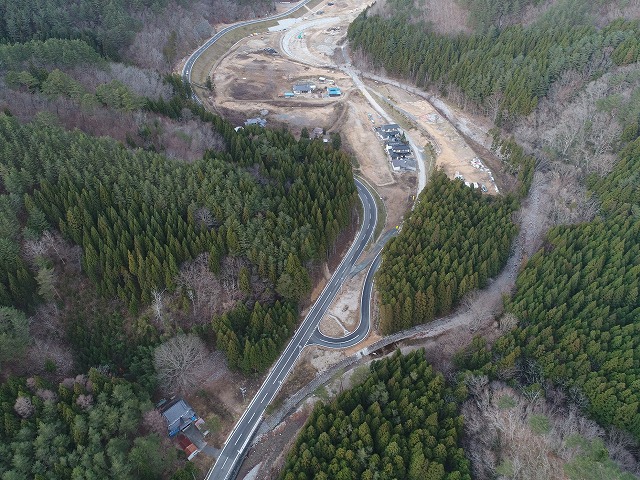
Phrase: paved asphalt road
(364, 326)
(234, 448)
(188, 66)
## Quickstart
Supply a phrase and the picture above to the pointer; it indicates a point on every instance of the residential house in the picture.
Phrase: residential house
(187, 446)
(390, 128)
(399, 148)
(178, 415)
(407, 164)
(389, 132)
(386, 136)
(256, 121)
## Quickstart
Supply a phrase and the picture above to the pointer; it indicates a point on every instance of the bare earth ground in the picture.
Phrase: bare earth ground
(454, 153)
(344, 314)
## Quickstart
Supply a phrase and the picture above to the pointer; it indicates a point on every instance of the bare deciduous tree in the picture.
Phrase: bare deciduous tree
(508, 322)
(24, 407)
(33, 250)
(229, 273)
(482, 307)
(154, 422)
(47, 395)
(180, 363)
(526, 440)
(85, 401)
(476, 384)
(201, 286)
(157, 305)
(45, 323)
(204, 217)
(46, 352)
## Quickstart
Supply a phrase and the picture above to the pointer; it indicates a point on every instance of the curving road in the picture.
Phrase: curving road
(188, 66)
(361, 332)
(234, 448)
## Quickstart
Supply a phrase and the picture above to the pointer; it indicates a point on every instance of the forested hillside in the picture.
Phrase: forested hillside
(453, 241)
(111, 27)
(402, 422)
(504, 73)
(578, 305)
(132, 219)
(109, 200)
(90, 426)
(560, 80)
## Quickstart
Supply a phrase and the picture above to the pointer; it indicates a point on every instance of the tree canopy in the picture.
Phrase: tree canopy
(578, 305)
(452, 242)
(504, 71)
(401, 422)
(82, 428)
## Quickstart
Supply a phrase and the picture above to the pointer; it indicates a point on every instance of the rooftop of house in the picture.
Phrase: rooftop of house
(178, 414)
(407, 163)
(389, 136)
(304, 86)
(187, 445)
(398, 146)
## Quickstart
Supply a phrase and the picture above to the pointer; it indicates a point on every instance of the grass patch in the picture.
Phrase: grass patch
(429, 159)
(506, 402)
(539, 424)
(505, 469)
(399, 117)
(321, 393)
(213, 423)
(303, 11)
(273, 406)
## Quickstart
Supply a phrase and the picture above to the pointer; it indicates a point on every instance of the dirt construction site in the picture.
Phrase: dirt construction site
(254, 79)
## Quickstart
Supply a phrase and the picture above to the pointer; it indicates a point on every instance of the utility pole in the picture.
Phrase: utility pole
(243, 392)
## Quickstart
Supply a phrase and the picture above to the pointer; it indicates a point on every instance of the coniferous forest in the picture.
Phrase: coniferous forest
(576, 301)
(89, 427)
(130, 216)
(401, 422)
(112, 242)
(507, 70)
(578, 306)
(453, 241)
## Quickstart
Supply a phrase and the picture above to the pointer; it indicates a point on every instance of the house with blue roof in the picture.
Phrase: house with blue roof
(178, 415)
